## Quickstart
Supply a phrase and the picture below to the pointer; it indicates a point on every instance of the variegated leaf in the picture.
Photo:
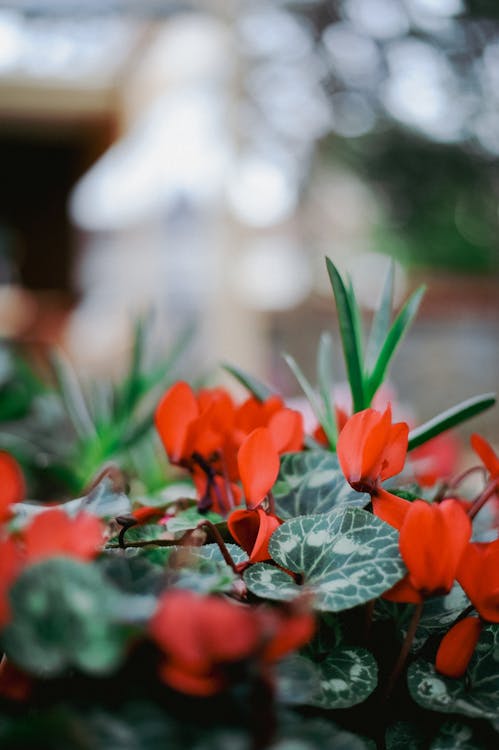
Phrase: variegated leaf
(343, 559)
(312, 482)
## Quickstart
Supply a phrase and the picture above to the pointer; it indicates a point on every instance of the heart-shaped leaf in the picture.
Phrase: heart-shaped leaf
(347, 677)
(344, 558)
(312, 482)
(63, 616)
(475, 695)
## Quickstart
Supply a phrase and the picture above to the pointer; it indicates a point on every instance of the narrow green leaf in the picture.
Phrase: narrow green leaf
(348, 334)
(306, 387)
(392, 340)
(381, 321)
(259, 390)
(356, 317)
(325, 383)
(450, 418)
(72, 396)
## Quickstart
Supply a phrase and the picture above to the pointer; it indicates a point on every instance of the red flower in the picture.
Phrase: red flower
(478, 574)
(457, 647)
(53, 532)
(202, 637)
(252, 530)
(371, 449)
(184, 427)
(12, 487)
(433, 539)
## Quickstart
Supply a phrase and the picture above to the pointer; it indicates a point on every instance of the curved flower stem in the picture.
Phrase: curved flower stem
(465, 474)
(480, 501)
(404, 651)
(211, 528)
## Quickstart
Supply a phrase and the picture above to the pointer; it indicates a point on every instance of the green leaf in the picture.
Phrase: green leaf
(440, 612)
(269, 582)
(325, 382)
(147, 532)
(394, 337)
(312, 482)
(190, 518)
(450, 418)
(455, 735)
(296, 732)
(405, 735)
(62, 616)
(345, 558)
(347, 324)
(475, 695)
(133, 574)
(381, 321)
(297, 680)
(347, 677)
(258, 389)
(72, 396)
(306, 387)
(212, 552)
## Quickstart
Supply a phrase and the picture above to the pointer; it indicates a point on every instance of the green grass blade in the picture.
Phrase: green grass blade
(306, 387)
(381, 321)
(258, 389)
(72, 396)
(392, 340)
(325, 382)
(450, 418)
(356, 318)
(346, 320)
(130, 391)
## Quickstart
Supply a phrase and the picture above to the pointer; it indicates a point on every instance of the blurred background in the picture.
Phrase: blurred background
(199, 159)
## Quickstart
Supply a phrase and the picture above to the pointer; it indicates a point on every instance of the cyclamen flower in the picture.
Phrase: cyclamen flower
(371, 449)
(205, 433)
(204, 638)
(433, 539)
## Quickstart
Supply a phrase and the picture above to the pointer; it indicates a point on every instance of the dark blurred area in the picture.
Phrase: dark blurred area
(201, 158)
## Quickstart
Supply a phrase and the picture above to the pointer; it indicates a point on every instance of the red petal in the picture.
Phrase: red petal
(457, 647)
(478, 574)
(292, 632)
(286, 428)
(12, 487)
(176, 410)
(390, 508)
(53, 532)
(432, 541)
(486, 453)
(252, 530)
(395, 450)
(403, 591)
(258, 463)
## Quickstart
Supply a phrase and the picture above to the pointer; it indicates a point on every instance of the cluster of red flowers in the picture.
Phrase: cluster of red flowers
(220, 444)
(434, 538)
(214, 439)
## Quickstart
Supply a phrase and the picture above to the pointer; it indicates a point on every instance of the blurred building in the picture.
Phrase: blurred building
(201, 158)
